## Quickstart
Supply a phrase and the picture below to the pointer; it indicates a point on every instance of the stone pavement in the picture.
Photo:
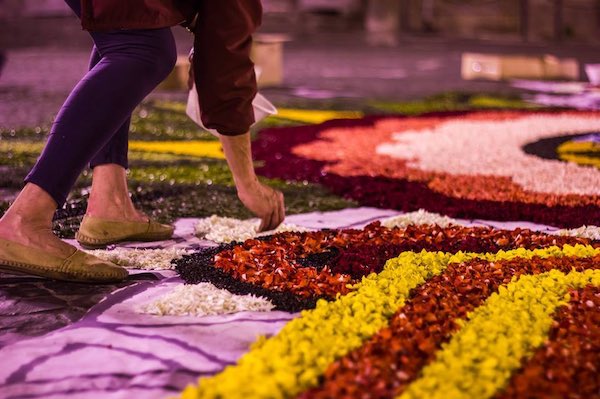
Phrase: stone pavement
(318, 67)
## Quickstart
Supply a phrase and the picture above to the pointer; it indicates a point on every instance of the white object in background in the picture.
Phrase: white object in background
(262, 109)
(593, 73)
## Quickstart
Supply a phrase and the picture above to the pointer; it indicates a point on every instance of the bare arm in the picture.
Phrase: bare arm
(262, 200)
(226, 84)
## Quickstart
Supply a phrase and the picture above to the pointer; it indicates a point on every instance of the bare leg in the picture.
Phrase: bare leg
(109, 198)
(29, 222)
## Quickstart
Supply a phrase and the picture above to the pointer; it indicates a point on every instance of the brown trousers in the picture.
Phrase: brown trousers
(223, 71)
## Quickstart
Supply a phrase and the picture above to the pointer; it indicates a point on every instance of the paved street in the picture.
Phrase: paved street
(42, 69)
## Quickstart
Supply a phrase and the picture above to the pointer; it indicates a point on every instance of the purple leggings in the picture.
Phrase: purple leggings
(93, 124)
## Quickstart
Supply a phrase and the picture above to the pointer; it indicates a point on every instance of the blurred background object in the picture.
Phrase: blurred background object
(534, 20)
(330, 53)
(505, 67)
(593, 73)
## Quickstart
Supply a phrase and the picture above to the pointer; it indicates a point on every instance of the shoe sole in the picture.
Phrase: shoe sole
(39, 271)
(93, 243)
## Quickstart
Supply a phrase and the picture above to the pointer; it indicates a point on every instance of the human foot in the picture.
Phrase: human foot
(98, 233)
(115, 210)
(109, 197)
(34, 235)
(76, 265)
(111, 216)
(27, 244)
(28, 222)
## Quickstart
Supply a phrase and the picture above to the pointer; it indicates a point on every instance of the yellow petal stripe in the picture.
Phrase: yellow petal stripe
(480, 358)
(199, 148)
(27, 147)
(293, 360)
(315, 116)
(578, 146)
(581, 159)
(580, 152)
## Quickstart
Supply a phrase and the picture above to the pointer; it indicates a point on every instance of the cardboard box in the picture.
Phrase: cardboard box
(503, 67)
(267, 55)
(178, 78)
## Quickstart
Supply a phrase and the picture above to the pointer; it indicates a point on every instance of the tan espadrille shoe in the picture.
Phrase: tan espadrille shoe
(98, 233)
(79, 266)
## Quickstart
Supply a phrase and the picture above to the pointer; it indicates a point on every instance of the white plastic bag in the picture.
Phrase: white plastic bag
(262, 109)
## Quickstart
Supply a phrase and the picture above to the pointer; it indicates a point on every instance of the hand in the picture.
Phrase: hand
(265, 202)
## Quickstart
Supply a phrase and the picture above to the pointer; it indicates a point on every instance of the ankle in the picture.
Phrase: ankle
(17, 219)
(115, 201)
(115, 208)
(33, 207)
(24, 230)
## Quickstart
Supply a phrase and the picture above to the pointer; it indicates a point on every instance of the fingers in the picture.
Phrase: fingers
(267, 222)
(276, 214)
(280, 209)
(263, 224)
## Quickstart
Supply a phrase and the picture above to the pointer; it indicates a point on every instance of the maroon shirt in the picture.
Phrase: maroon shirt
(134, 14)
(224, 73)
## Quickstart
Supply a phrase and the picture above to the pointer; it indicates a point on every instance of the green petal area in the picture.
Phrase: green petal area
(25, 133)
(273, 121)
(23, 153)
(163, 120)
(169, 186)
(184, 172)
(19, 153)
(206, 171)
(166, 120)
(166, 203)
(454, 101)
(145, 158)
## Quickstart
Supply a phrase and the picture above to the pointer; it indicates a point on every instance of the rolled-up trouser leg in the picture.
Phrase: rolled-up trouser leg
(223, 70)
(133, 62)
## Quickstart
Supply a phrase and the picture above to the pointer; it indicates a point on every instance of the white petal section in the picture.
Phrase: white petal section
(147, 259)
(222, 229)
(493, 148)
(204, 299)
(418, 218)
(591, 232)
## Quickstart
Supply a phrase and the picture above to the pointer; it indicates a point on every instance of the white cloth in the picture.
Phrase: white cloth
(262, 109)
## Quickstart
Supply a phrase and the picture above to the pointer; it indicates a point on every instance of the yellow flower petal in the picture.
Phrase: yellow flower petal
(199, 148)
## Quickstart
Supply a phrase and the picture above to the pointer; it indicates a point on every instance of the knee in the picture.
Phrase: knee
(153, 58)
(148, 54)
(163, 59)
